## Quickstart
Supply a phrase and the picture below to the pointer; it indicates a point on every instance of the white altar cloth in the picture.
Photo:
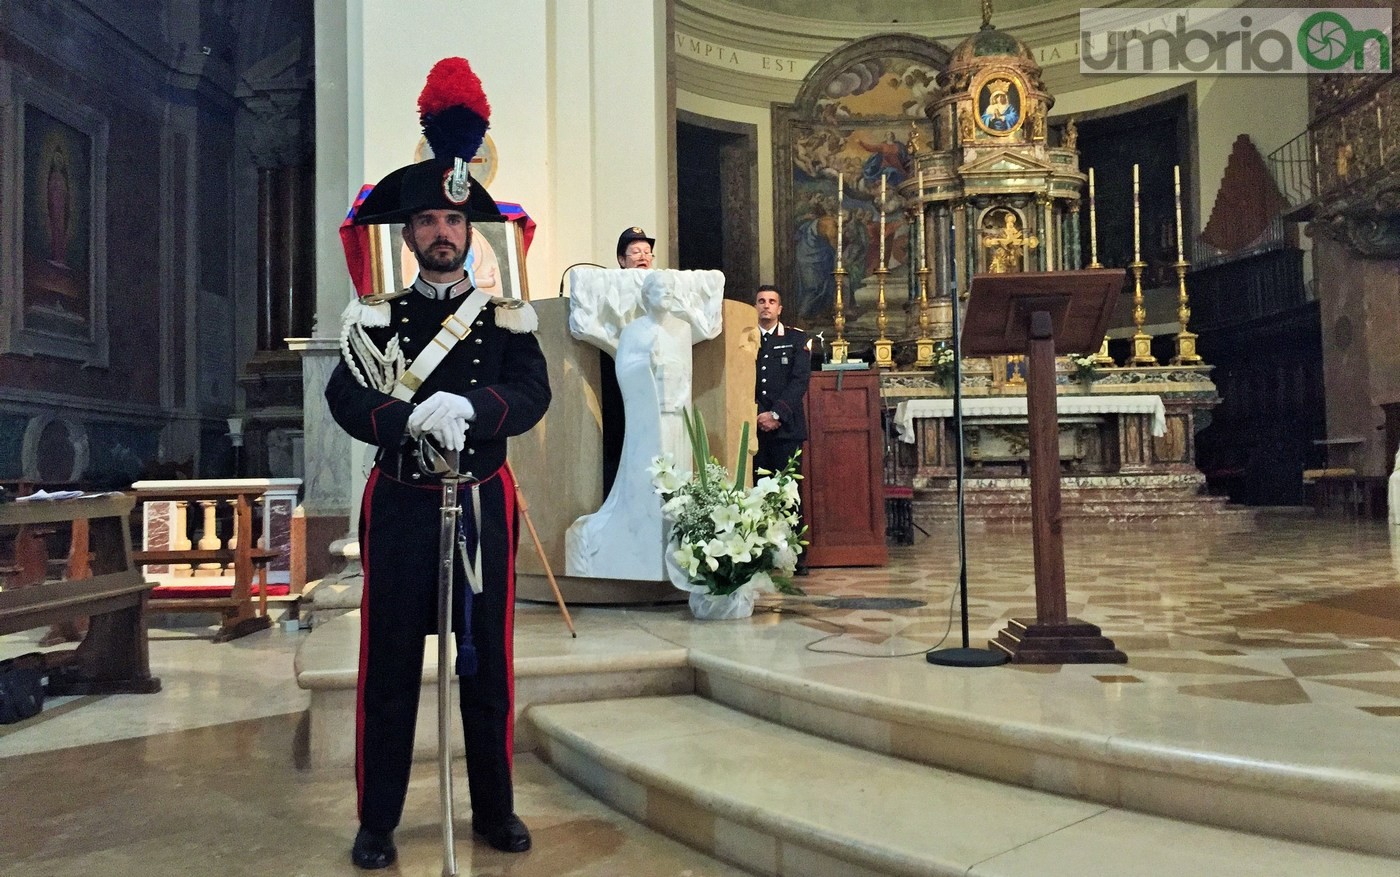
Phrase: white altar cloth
(1015, 406)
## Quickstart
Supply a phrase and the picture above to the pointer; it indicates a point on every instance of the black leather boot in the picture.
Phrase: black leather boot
(509, 835)
(373, 850)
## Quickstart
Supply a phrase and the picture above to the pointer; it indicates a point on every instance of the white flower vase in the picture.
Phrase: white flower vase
(714, 607)
(704, 605)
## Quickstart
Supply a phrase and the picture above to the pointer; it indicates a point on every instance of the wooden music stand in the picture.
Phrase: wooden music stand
(1032, 313)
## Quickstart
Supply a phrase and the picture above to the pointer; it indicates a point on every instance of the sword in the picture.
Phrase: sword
(445, 464)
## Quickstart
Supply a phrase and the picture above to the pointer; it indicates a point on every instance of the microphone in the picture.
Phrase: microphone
(572, 267)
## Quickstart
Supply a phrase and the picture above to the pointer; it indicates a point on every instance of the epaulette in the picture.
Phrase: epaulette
(370, 311)
(515, 315)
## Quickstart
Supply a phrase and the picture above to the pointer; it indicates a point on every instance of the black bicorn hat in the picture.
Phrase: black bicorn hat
(427, 185)
(454, 114)
(634, 233)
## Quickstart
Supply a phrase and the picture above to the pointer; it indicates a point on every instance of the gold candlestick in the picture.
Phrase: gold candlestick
(840, 348)
(1185, 339)
(884, 347)
(1142, 342)
(1101, 358)
(924, 347)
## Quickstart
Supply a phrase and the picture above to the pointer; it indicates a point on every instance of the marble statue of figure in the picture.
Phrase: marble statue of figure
(648, 320)
(1393, 488)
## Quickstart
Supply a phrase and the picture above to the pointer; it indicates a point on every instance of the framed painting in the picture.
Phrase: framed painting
(1000, 109)
(58, 201)
(841, 153)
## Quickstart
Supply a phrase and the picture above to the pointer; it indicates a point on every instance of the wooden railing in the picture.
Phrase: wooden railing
(216, 572)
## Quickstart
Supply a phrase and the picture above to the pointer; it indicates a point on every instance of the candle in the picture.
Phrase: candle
(1180, 250)
(840, 214)
(1093, 224)
(923, 250)
(882, 221)
(1137, 236)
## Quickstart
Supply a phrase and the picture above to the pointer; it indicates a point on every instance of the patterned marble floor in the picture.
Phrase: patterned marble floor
(1298, 610)
(1292, 627)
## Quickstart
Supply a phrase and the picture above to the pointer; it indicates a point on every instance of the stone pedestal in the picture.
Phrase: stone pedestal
(335, 464)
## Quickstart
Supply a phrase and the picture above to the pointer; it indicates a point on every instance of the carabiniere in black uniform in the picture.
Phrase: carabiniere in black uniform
(503, 373)
(784, 368)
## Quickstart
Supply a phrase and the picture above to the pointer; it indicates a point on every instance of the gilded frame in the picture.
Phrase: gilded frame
(1016, 99)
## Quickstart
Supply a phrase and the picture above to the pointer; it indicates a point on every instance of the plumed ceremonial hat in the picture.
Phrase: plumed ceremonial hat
(634, 233)
(455, 115)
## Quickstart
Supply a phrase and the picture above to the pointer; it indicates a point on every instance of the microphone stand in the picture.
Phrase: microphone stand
(966, 656)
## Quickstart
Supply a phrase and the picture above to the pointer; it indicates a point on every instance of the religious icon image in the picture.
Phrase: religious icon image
(1004, 241)
(56, 224)
(999, 105)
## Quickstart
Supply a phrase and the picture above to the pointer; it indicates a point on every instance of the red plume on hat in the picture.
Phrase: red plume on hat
(453, 110)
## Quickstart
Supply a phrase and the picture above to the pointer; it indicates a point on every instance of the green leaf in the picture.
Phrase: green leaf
(740, 467)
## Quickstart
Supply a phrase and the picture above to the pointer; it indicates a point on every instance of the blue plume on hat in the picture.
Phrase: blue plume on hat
(453, 110)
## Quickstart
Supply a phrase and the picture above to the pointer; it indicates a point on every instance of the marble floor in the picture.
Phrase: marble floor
(1278, 644)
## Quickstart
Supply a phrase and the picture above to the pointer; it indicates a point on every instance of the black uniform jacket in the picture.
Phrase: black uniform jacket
(502, 373)
(784, 365)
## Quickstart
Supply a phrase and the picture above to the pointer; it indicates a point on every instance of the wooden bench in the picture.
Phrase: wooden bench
(100, 584)
(1342, 490)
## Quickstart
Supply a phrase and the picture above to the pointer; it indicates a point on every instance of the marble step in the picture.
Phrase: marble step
(778, 801)
(1124, 760)
(549, 667)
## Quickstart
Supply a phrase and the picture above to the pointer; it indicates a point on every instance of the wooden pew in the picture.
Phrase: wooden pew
(99, 583)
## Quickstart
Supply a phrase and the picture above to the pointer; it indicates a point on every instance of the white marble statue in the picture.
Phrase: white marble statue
(1393, 486)
(648, 320)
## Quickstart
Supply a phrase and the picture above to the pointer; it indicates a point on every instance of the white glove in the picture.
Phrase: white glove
(444, 416)
(450, 434)
(439, 407)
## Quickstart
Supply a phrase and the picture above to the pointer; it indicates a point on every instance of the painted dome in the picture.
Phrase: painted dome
(988, 44)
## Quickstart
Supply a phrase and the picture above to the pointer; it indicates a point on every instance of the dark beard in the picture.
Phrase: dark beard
(428, 261)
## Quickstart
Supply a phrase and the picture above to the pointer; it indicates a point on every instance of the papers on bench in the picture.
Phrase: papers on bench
(40, 495)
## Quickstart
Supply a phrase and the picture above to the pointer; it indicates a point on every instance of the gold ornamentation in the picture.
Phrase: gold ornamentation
(1006, 246)
(917, 144)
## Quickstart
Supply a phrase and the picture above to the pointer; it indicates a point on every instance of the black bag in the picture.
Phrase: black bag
(21, 687)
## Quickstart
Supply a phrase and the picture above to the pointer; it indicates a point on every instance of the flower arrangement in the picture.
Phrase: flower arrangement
(727, 539)
(945, 365)
(1085, 369)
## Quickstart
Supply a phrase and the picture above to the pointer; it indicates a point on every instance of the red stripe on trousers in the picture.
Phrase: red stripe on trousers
(364, 644)
(508, 485)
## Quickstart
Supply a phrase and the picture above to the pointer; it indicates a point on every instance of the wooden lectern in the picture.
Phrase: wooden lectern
(843, 491)
(1032, 313)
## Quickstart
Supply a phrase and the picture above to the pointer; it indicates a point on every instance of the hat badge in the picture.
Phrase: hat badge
(456, 185)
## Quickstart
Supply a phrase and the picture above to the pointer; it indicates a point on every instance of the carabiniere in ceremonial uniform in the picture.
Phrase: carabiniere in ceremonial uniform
(435, 343)
(783, 369)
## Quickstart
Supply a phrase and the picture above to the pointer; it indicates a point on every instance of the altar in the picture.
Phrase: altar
(1127, 444)
(1098, 434)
